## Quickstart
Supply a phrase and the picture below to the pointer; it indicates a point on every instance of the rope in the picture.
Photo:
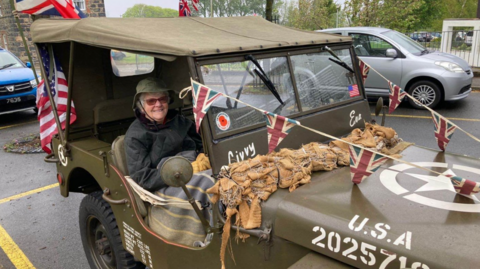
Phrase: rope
(426, 107)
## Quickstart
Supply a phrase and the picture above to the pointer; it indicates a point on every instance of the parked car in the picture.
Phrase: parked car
(428, 76)
(436, 35)
(468, 38)
(18, 86)
(421, 37)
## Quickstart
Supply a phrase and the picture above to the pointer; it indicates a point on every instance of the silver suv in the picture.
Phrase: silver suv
(429, 76)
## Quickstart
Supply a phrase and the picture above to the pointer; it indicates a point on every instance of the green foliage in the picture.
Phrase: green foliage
(146, 11)
(230, 8)
(311, 14)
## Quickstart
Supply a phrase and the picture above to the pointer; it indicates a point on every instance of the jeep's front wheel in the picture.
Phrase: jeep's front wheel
(101, 237)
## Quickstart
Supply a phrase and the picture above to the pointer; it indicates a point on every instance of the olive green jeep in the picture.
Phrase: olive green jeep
(406, 219)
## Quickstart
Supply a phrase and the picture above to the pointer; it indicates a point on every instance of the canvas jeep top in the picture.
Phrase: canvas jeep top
(388, 221)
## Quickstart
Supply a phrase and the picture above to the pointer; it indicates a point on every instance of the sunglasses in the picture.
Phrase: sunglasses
(153, 101)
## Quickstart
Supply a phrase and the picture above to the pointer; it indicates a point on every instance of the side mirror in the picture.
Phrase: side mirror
(391, 53)
(28, 64)
(176, 171)
(378, 109)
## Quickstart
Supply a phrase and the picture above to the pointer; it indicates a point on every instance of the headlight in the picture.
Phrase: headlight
(455, 68)
(33, 82)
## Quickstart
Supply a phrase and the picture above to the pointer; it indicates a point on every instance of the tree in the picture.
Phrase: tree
(146, 11)
(310, 14)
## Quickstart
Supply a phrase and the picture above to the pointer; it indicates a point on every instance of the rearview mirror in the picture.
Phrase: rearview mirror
(28, 64)
(391, 53)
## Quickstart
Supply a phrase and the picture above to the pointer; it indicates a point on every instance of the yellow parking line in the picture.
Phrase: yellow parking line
(20, 195)
(10, 126)
(428, 117)
(14, 253)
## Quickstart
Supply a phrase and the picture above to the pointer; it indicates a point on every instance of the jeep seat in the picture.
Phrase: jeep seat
(112, 118)
(120, 161)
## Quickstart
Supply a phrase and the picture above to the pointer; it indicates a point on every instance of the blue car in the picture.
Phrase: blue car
(18, 86)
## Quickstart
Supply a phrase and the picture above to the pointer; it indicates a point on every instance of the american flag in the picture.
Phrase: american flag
(395, 96)
(353, 90)
(364, 69)
(203, 98)
(363, 163)
(465, 186)
(183, 9)
(443, 130)
(64, 8)
(278, 128)
(59, 88)
(195, 4)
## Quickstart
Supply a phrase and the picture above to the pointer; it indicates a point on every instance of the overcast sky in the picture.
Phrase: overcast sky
(115, 8)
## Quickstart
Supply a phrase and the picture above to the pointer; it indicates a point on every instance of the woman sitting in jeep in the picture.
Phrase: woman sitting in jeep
(157, 134)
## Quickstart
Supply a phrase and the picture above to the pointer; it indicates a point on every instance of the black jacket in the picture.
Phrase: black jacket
(146, 143)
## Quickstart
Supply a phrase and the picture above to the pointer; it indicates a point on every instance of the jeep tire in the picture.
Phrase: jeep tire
(427, 92)
(101, 236)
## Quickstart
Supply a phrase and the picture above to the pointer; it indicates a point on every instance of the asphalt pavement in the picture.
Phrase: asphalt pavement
(39, 227)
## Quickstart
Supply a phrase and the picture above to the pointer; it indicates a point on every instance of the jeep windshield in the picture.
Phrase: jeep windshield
(317, 84)
(8, 61)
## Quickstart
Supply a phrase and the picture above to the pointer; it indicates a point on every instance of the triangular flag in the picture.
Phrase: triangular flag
(203, 98)
(278, 128)
(364, 69)
(443, 130)
(395, 96)
(363, 163)
(465, 186)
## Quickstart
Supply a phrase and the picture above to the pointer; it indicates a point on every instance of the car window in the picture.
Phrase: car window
(239, 80)
(404, 42)
(9, 61)
(322, 82)
(126, 64)
(369, 45)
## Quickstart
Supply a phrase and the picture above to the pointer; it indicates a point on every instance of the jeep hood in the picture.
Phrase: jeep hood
(405, 220)
(15, 75)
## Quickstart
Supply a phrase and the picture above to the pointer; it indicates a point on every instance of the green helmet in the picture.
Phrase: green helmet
(149, 85)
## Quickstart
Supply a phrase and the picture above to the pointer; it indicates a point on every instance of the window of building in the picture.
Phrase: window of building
(1, 11)
(4, 39)
(80, 4)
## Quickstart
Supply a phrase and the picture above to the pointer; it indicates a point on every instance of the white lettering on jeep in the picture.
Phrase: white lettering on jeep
(134, 238)
(354, 119)
(247, 152)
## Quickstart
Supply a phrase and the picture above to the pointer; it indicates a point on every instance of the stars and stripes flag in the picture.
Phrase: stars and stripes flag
(59, 88)
(203, 98)
(364, 69)
(465, 186)
(195, 4)
(395, 96)
(184, 9)
(278, 128)
(363, 163)
(443, 130)
(353, 90)
(64, 8)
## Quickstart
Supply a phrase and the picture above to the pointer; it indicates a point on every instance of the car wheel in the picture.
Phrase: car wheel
(101, 237)
(426, 92)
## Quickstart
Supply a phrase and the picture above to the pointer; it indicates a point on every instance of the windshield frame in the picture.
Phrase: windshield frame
(403, 37)
(199, 62)
(15, 58)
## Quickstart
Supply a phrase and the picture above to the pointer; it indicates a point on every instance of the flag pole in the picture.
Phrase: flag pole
(70, 86)
(15, 15)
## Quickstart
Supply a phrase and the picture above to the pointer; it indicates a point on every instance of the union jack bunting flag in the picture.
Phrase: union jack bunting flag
(59, 88)
(395, 96)
(203, 98)
(278, 128)
(363, 163)
(195, 4)
(465, 186)
(364, 69)
(443, 130)
(184, 9)
(64, 8)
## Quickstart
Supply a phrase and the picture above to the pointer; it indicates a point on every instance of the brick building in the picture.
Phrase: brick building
(10, 38)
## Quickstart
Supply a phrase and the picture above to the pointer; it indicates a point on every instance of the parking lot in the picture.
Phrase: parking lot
(39, 228)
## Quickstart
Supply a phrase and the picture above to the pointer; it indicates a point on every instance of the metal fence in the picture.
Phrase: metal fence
(462, 43)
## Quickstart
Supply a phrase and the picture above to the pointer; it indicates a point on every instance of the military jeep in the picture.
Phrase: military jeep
(401, 218)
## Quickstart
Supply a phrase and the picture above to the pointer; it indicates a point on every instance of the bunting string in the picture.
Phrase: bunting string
(426, 107)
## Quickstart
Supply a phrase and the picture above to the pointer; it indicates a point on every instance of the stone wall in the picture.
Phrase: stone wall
(8, 27)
